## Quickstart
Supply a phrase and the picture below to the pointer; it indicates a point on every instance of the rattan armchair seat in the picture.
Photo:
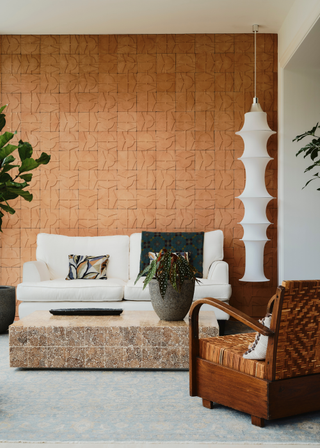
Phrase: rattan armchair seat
(228, 350)
(287, 382)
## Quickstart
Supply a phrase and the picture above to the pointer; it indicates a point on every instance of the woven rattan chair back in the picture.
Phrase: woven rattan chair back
(295, 349)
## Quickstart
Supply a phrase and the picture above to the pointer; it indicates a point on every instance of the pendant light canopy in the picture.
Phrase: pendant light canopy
(255, 197)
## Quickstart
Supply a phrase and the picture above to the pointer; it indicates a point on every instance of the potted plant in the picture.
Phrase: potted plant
(171, 279)
(11, 187)
(312, 150)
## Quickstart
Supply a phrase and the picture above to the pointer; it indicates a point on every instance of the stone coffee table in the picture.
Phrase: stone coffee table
(135, 339)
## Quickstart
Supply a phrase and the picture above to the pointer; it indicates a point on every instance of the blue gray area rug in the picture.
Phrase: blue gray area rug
(124, 406)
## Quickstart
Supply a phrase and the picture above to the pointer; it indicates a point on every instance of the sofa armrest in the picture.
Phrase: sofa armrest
(219, 272)
(35, 271)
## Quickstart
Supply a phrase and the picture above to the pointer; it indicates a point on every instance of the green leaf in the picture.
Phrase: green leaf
(28, 165)
(24, 194)
(6, 150)
(151, 273)
(26, 177)
(2, 121)
(4, 176)
(7, 160)
(43, 159)
(2, 117)
(163, 282)
(309, 168)
(8, 209)
(4, 139)
(311, 149)
(10, 148)
(14, 184)
(169, 266)
(174, 279)
(1, 216)
(314, 153)
(25, 150)
(146, 269)
(305, 134)
(8, 167)
(307, 183)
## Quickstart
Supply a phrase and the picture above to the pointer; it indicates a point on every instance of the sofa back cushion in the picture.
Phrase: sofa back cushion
(212, 251)
(54, 251)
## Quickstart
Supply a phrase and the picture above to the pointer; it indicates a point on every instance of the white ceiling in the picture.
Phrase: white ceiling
(307, 55)
(141, 16)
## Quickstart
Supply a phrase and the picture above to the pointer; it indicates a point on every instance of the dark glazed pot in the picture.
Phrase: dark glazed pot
(7, 307)
(174, 305)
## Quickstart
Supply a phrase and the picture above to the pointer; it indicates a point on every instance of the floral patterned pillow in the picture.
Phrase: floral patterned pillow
(87, 267)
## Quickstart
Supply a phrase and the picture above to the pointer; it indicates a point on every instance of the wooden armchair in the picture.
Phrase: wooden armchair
(288, 381)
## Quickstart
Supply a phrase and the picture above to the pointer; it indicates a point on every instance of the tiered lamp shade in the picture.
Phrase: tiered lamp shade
(255, 197)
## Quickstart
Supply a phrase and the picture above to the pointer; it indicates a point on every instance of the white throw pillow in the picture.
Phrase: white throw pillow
(258, 349)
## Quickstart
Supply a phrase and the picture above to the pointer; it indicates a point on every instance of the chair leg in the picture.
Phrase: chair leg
(222, 326)
(207, 403)
(257, 421)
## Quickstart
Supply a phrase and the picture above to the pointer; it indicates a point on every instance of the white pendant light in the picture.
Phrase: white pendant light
(255, 197)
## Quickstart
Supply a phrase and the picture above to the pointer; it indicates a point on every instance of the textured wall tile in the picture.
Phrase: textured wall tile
(204, 43)
(224, 43)
(11, 63)
(141, 134)
(11, 44)
(127, 44)
(30, 44)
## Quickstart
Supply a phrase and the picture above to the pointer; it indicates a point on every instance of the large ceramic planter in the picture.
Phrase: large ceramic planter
(7, 307)
(174, 305)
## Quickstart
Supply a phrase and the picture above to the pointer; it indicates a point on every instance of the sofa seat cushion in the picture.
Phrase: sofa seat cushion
(78, 290)
(204, 289)
(228, 351)
(135, 291)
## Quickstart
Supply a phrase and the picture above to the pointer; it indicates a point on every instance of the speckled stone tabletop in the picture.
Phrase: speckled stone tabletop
(135, 339)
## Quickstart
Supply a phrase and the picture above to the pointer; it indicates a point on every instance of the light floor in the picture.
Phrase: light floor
(231, 328)
(151, 445)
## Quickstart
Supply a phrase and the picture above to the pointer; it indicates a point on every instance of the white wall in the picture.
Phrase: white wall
(300, 224)
(299, 111)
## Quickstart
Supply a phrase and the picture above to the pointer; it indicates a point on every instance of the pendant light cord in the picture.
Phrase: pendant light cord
(255, 64)
(255, 104)
(255, 29)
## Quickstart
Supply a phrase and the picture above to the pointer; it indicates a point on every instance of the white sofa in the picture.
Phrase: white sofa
(44, 286)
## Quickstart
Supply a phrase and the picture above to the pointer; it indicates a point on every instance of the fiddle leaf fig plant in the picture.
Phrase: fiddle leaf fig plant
(168, 266)
(14, 185)
(312, 150)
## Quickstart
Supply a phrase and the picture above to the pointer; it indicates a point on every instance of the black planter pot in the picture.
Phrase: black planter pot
(174, 305)
(7, 307)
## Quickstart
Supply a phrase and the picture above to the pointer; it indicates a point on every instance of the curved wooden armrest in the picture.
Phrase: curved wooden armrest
(242, 317)
(270, 303)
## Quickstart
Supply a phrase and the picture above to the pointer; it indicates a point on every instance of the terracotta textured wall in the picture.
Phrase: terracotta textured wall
(141, 130)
